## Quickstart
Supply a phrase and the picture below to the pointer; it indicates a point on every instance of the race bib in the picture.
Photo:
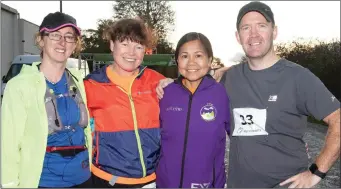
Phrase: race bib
(249, 122)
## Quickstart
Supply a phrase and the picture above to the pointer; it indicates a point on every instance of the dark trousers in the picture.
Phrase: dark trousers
(86, 184)
(100, 183)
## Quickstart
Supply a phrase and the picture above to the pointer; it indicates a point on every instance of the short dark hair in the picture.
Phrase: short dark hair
(192, 36)
(129, 29)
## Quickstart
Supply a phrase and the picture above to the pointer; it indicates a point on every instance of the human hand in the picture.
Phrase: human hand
(218, 74)
(162, 84)
(302, 180)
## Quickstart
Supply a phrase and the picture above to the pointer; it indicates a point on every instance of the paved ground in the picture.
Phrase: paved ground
(315, 138)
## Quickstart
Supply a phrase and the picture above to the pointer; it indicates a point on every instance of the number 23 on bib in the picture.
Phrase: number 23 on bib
(249, 122)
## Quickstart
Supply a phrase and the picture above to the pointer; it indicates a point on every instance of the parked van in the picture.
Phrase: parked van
(20, 60)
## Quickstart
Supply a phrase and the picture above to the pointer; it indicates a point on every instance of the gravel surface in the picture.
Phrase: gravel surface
(315, 136)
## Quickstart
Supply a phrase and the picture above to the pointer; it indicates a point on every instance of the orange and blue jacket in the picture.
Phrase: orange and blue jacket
(126, 126)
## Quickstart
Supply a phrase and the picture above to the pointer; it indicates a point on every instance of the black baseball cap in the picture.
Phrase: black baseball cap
(257, 6)
(57, 20)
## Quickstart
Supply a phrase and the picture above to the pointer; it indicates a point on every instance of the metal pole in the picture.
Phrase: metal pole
(61, 6)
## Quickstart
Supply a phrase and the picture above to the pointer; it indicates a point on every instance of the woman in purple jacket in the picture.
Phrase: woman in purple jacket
(195, 117)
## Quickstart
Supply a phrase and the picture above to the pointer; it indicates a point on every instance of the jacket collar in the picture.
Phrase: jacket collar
(100, 75)
(34, 68)
(206, 82)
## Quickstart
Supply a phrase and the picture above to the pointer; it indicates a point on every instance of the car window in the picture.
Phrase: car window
(13, 71)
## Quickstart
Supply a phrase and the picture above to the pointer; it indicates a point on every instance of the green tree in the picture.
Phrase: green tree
(158, 15)
(93, 41)
(164, 47)
(320, 57)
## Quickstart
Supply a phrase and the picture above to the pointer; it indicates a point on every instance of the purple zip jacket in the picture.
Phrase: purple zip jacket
(193, 136)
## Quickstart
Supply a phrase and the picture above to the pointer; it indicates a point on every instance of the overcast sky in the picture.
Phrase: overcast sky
(216, 20)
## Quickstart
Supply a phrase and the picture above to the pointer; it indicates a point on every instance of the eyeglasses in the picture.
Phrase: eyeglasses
(69, 38)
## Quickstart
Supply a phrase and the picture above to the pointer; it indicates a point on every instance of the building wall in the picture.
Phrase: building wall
(28, 31)
(17, 37)
(9, 37)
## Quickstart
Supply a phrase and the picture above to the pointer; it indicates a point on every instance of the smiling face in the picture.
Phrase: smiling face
(128, 55)
(193, 61)
(55, 46)
(256, 35)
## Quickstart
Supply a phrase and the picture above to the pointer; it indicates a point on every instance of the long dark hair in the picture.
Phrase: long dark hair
(192, 36)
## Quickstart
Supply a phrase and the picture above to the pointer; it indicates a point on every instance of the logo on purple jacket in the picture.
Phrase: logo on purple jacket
(208, 112)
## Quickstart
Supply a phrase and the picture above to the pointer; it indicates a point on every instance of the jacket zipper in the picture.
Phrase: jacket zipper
(137, 135)
(133, 111)
(185, 141)
(213, 182)
(186, 131)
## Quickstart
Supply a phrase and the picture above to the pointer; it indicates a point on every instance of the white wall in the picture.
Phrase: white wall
(17, 37)
(9, 41)
(27, 33)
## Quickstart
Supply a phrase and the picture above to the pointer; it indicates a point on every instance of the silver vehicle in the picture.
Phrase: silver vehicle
(20, 60)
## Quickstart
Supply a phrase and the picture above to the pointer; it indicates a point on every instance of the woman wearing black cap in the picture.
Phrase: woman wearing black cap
(46, 140)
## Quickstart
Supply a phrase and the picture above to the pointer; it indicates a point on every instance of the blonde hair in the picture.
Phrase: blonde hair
(39, 36)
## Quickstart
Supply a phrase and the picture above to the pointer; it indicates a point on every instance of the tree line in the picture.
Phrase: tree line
(323, 58)
(158, 16)
(320, 57)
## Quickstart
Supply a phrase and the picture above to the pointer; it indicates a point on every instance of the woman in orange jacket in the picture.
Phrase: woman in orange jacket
(125, 110)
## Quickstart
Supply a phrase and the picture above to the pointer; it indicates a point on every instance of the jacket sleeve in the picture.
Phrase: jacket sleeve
(87, 130)
(89, 98)
(13, 118)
